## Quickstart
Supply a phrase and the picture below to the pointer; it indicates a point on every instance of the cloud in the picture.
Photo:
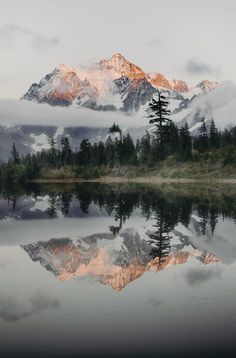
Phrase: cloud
(11, 310)
(4, 265)
(3, 80)
(196, 67)
(13, 112)
(195, 277)
(155, 41)
(10, 34)
(219, 104)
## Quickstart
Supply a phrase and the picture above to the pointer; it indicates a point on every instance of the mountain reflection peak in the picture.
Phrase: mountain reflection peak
(115, 262)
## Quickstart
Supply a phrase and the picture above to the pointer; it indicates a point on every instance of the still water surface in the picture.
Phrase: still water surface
(96, 270)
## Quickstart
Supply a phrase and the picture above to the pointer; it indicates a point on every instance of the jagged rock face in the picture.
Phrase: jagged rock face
(134, 93)
(180, 86)
(110, 85)
(158, 80)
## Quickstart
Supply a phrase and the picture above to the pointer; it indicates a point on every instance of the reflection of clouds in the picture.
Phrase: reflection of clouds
(11, 310)
(197, 276)
(156, 302)
(4, 265)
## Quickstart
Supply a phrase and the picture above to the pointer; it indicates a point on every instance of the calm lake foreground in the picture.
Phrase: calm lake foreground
(118, 270)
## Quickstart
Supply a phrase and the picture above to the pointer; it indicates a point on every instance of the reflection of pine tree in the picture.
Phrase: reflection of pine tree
(66, 198)
(167, 215)
(124, 205)
(185, 205)
(85, 197)
(52, 200)
(160, 241)
(213, 218)
(203, 211)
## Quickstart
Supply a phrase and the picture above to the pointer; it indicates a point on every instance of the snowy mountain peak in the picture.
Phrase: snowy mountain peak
(122, 66)
(110, 85)
(207, 86)
(64, 68)
(160, 81)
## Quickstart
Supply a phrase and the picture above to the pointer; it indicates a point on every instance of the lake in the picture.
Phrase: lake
(118, 270)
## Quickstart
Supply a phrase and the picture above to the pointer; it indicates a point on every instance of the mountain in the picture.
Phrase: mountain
(113, 84)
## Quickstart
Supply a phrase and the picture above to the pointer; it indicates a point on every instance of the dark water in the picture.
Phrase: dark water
(136, 271)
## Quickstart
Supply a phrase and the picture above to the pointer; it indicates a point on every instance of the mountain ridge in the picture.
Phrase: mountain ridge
(109, 85)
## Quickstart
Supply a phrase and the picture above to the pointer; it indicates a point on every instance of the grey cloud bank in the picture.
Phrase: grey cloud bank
(10, 34)
(13, 112)
(197, 276)
(196, 67)
(11, 310)
(221, 103)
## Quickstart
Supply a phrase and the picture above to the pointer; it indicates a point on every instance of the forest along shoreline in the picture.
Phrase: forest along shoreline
(165, 153)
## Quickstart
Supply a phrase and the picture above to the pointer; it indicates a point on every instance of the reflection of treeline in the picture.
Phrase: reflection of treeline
(165, 206)
(166, 203)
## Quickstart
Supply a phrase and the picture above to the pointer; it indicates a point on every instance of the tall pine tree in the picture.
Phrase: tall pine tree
(159, 116)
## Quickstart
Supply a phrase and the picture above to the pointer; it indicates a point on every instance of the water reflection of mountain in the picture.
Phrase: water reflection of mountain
(113, 261)
(181, 224)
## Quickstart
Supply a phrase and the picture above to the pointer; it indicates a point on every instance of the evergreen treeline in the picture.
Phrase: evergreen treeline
(120, 150)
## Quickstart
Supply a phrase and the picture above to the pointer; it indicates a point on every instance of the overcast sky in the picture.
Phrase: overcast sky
(185, 39)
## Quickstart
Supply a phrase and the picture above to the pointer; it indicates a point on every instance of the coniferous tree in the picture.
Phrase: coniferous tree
(52, 149)
(159, 116)
(15, 155)
(115, 128)
(214, 135)
(137, 149)
(109, 147)
(85, 152)
(203, 140)
(128, 150)
(66, 152)
(145, 148)
(101, 153)
(185, 143)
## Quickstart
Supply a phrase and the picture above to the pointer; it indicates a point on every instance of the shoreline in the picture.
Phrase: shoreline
(144, 180)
